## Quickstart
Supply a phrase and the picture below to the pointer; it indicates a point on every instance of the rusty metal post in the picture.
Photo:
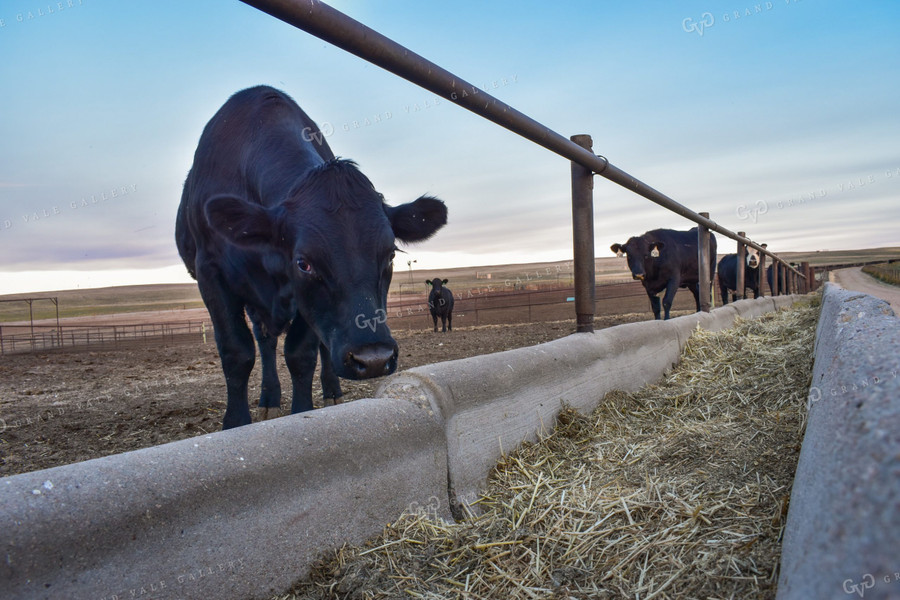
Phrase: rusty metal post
(583, 239)
(703, 264)
(813, 284)
(741, 265)
(779, 282)
(774, 284)
(762, 274)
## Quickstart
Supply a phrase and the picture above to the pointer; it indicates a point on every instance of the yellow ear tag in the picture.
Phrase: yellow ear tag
(655, 253)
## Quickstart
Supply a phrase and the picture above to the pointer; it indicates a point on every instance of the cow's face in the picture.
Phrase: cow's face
(752, 258)
(436, 283)
(640, 252)
(336, 240)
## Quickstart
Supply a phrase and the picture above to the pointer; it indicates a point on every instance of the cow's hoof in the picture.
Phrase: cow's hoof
(266, 413)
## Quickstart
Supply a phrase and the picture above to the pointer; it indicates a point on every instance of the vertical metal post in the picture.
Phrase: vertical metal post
(813, 284)
(31, 319)
(703, 264)
(774, 284)
(762, 274)
(779, 279)
(741, 265)
(583, 239)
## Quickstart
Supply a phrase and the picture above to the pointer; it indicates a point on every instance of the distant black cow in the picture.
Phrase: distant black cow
(728, 275)
(665, 259)
(440, 302)
(271, 223)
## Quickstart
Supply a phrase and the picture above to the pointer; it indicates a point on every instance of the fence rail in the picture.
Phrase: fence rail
(334, 27)
(20, 338)
(472, 308)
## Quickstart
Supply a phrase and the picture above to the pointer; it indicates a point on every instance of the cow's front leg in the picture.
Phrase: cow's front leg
(434, 318)
(235, 345)
(655, 306)
(669, 298)
(301, 348)
(695, 290)
(331, 384)
(270, 394)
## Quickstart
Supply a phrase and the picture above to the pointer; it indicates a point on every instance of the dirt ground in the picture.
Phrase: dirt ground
(60, 408)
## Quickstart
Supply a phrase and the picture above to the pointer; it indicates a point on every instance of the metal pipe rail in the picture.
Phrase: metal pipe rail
(335, 27)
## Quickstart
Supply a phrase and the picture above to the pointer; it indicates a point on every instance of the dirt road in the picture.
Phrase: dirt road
(854, 279)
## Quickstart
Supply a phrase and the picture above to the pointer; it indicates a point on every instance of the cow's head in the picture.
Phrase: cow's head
(640, 252)
(329, 248)
(752, 257)
(436, 283)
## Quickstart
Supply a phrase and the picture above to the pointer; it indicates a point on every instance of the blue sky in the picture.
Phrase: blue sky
(779, 118)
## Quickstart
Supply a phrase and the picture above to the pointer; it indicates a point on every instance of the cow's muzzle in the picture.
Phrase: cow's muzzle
(373, 360)
(639, 277)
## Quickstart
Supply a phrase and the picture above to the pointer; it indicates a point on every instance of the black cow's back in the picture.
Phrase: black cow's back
(258, 146)
(678, 259)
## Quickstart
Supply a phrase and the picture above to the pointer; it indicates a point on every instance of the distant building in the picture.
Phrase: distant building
(483, 275)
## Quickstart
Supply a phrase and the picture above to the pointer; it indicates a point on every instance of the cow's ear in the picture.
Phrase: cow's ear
(418, 220)
(444, 281)
(242, 223)
(427, 282)
(618, 249)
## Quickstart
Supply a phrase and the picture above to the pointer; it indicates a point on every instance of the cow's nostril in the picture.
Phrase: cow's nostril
(374, 360)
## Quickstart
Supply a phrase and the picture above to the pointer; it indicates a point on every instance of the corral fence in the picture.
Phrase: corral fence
(334, 27)
(478, 307)
(34, 338)
(481, 306)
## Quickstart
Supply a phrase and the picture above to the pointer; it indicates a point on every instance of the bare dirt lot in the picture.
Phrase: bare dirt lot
(60, 408)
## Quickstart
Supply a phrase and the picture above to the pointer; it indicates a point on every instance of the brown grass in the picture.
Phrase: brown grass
(679, 490)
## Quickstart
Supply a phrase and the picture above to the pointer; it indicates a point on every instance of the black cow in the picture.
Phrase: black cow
(273, 224)
(440, 302)
(728, 275)
(665, 259)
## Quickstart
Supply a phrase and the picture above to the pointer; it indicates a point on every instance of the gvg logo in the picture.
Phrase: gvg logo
(868, 582)
(380, 317)
(760, 207)
(706, 20)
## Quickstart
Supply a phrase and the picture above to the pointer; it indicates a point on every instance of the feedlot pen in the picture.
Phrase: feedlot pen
(679, 490)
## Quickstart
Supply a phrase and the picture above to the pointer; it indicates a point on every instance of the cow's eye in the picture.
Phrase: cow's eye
(304, 266)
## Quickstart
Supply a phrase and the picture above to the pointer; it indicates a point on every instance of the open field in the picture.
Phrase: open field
(125, 299)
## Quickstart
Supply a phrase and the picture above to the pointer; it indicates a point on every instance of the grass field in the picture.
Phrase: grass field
(405, 285)
(888, 273)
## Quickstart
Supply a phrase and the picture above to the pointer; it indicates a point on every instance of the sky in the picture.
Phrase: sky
(779, 118)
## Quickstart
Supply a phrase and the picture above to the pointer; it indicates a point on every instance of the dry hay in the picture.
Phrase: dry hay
(679, 490)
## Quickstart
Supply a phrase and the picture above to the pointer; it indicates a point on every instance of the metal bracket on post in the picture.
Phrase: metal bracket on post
(583, 239)
(741, 265)
(703, 264)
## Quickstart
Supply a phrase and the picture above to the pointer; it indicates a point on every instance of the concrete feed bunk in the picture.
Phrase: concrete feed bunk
(205, 516)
